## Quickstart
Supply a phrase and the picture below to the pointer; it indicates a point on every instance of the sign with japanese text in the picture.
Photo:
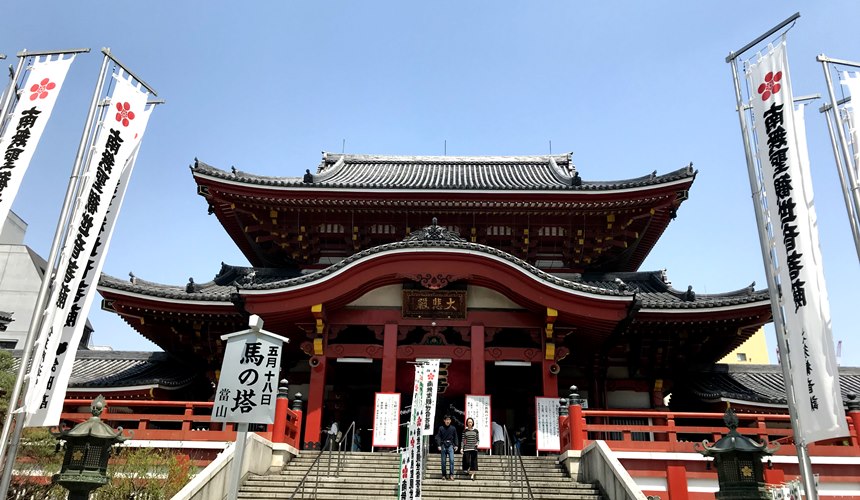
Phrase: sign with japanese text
(449, 304)
(115, 143)
(411, 458)
(785, 176)
(24, 129)
(386, 420)
(73, 329)
(478, 409)
(428, 400)
(546, 425)
(248, 385)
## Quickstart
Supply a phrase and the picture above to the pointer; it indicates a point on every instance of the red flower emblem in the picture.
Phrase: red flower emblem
(124, 113)
(40, 90)
(770, 86)
(430, 376)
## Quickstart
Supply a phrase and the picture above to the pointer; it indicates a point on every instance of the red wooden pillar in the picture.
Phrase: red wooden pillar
(774, 477)
(550, 380)
(854, 417)
(282, 404)
(478, 371)
(577, 427)
(676, 482)
(313, 423)
(389, 358)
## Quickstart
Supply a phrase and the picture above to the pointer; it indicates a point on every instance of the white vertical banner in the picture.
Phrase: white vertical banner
(780, 148)
(852, 81)
(428, 405)
(115, 143)
(410, 457)
(73, 329)
(386, 420)
(478, 409)
(546, 424)
(32, 111)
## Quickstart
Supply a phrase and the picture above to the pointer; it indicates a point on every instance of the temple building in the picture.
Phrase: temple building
(520, 275)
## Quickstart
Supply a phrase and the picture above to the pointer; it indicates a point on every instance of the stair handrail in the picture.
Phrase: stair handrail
(518, 476)
(340, 460)
(301, 486)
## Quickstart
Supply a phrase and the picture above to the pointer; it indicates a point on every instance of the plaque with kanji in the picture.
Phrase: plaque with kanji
(445, 304)
(248, 385)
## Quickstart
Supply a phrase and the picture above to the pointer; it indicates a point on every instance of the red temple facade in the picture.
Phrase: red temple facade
(516, 272)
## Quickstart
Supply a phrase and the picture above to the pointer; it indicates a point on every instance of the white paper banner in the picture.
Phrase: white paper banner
(478, 409)
(782, 156)
(428, 404)
(115, 144)
(31, 114)
(386, 420)
(546, 417)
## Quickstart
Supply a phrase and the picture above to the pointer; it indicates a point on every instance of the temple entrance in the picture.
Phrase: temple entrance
(513, 389)
(350, 388)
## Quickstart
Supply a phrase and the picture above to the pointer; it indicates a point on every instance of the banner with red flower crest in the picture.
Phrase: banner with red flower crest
(24, 129)
(115, 146)
(785, 177)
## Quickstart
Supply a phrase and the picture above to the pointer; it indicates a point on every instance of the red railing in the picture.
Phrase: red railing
(182, 420)
(642, 430)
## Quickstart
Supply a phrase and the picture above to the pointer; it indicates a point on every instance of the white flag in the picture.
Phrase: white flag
(73, 329)
(781, 151)
(23, 131)
(852, 81)
(428, 401)
(115, 144)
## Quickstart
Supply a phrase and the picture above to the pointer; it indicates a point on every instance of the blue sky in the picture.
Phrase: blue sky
(629, 87)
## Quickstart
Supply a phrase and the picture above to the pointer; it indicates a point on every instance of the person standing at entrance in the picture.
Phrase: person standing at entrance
(498, 439)
(446, 440)
(470, 448)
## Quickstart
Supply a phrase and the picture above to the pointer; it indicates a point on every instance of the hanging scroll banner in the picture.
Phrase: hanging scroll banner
(852, 81)
(781, 152)
(428, 400)
(24, 129)
(76, 320)
(115, 143)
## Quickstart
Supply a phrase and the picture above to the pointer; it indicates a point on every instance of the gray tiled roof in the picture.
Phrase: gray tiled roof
(755, 383)
(444, 172)
(650, 288)
(120, 369)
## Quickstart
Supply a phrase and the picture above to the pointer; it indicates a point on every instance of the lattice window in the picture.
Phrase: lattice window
(552, 231)
(498, 231)
(330, 229)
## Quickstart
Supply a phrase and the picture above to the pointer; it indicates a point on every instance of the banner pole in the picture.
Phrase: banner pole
(843, 141)
(849, 205)
(10, 451)
(8, 100)
(804, 463)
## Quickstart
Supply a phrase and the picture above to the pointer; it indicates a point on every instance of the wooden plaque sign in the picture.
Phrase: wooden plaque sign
(447, 304)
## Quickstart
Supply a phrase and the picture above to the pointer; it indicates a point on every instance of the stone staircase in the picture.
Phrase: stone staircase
(374, 475)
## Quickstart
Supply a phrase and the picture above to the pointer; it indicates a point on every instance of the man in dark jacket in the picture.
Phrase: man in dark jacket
(446, 440)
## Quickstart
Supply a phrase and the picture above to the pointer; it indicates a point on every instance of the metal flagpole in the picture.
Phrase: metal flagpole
(804, 463)
(10, 451)
(8, 101)
(849, 205)
(840, 126)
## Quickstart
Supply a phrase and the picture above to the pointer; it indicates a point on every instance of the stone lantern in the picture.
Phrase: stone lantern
(88, 448)
(738, 460)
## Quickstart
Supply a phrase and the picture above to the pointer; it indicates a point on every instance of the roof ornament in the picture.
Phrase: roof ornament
(434, 232)
(576, 180)
(751, 287)
(249, 278)
(689, 295)
(309, 177)
(621, 285)
(233, 169)
(664, 276)
(190, 287)
(132, 278)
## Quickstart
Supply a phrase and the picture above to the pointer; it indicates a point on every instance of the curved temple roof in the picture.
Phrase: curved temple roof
(532, 173)
(651, 288)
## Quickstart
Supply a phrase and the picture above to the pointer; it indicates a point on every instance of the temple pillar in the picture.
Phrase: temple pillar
(479, 367)
(389, 358)
(316, 393)
(550, 379)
